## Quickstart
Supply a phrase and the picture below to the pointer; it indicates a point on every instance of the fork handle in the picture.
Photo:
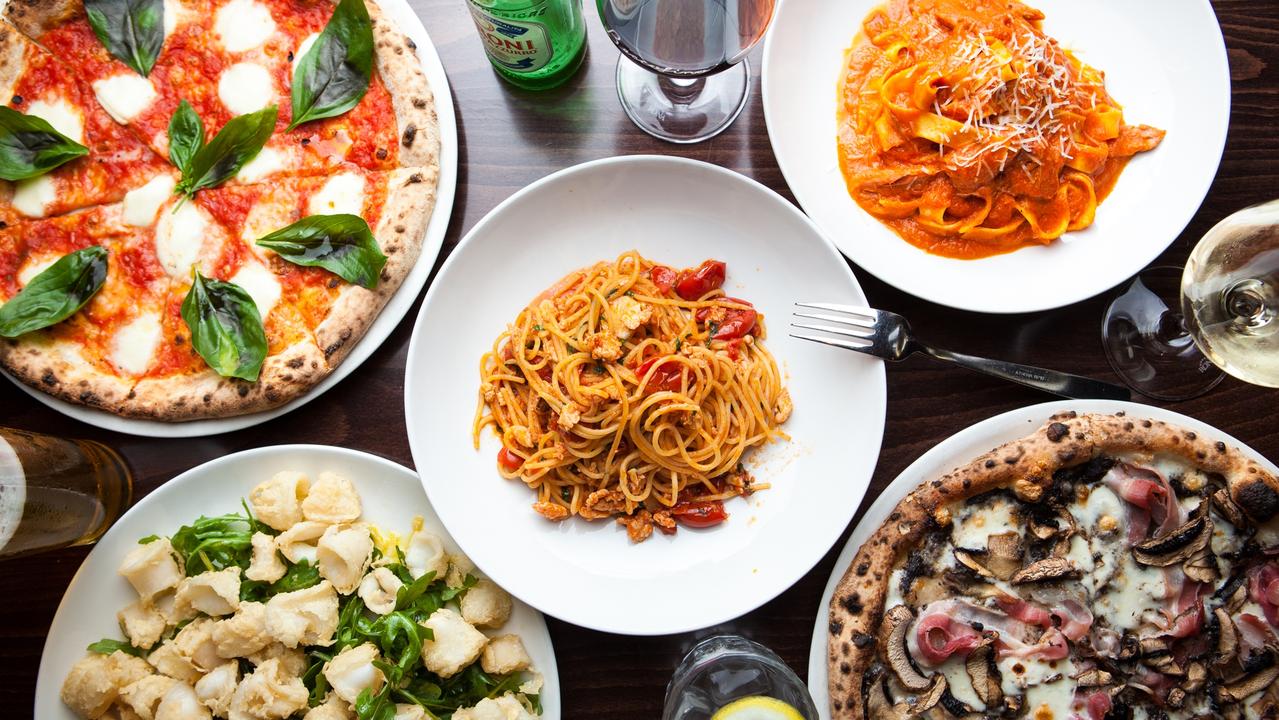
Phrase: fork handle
(1075, 387)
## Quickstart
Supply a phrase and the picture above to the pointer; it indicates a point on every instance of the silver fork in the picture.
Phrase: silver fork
(887, 335)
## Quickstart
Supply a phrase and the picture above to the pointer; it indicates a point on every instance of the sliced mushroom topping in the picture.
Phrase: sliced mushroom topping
(1096, 677)
(1043, 528)
(1050, 568)
(968, 559)
(893, 637)
(1256, 682)
(931, 696)
(1004, 553)
(1238, 596)
(1196, 677)
(984, 674)
(1164, 663)
(1176, 546)
(1129, 646)
(1227, 638)
(1176, 698)
(956, 707)
(878, 703)
(1228, 509)
(1202, 566)
(1151, 646)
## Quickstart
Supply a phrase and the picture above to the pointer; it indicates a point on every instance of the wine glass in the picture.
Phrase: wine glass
(1172, 340)
(728, 669)
(683, 76)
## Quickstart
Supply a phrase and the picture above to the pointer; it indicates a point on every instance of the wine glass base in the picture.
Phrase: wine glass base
(1147, 344)
(682, 110)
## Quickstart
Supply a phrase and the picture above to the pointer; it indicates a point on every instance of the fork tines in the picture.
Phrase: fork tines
(857, 323)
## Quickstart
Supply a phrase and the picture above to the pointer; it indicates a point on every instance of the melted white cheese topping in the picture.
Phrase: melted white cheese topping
(261, 285)
(303, 47)
(141, 204)
(35, 266)
(243, 25)
(246, 87)
(972, 524)
(267, 162)
(135, 343)
(33, 196)
(124, 96)
(343, 193)
(178, 238)
(62, 115)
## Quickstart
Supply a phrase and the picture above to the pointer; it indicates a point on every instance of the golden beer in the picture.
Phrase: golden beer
(55, 492)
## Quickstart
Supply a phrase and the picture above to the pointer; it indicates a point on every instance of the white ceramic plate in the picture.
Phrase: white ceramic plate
(392, 497)
(396, 308)
(678, 212)
(956, 450)
(1165, 62)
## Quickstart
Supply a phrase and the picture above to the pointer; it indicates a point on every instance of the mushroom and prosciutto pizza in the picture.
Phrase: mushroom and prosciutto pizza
(1104, 567)
(203, 203)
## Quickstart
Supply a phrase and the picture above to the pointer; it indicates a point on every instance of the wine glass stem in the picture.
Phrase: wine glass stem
(681, 91)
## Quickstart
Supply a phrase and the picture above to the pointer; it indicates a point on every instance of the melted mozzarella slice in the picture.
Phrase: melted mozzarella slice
(35, 266)
(178, 238)
(343, 193)
(267, 162)
(124, 96)
(973, 524)
(172, 9)
(246, 87)
(243, 25)
(134, 344)
(33, 196)
(62, 115)
(141, 204)
(261, 285)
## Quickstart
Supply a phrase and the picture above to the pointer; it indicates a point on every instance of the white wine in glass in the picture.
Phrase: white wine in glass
(1230, 295)
(1172, 332)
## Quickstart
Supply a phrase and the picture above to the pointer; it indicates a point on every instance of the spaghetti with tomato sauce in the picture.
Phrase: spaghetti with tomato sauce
(631, 390)
(970, 133)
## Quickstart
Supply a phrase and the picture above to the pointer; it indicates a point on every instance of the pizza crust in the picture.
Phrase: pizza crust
(285, 376)
(401, 71)
(410, 197)
(1025, 466)
(57, 368)
(36, 17)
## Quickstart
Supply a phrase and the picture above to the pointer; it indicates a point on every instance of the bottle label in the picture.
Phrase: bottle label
(518, 45)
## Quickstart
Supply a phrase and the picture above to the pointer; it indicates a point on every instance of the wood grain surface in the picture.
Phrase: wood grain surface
(511, 137)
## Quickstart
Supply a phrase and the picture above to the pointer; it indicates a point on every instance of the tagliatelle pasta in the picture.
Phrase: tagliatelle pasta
(970, 133)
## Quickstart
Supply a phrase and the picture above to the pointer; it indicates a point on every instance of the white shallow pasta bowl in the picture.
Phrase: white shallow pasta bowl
(951, 453)
(396, 308)
(677, 212)
(391, 495)
(1165, 63)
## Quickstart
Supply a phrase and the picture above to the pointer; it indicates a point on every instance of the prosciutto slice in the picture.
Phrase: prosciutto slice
(1263, 588)
(1149, 497)
(1072, 617)
(948, 627)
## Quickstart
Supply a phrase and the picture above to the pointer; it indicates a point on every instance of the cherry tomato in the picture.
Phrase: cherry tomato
(738, 321)
(665, 377)
(694, 284)
(509, 460)
(700, 514)
(663, 278)
(734, 349)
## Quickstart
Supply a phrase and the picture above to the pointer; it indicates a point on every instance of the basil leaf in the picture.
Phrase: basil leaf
(107, 646)
(30, 146)
(186, 135)
(342, 244)
(226, 328)
(334, 73)
(56, 293)
(131, 30)
(236, 143)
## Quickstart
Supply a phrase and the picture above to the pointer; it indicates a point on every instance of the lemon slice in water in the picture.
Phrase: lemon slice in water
(757, 707)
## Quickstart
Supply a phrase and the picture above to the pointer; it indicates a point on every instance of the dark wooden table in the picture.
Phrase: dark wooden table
(510, 138)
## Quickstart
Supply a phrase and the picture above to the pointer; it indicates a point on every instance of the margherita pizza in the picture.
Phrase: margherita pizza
(203, 203)
(1104, 567)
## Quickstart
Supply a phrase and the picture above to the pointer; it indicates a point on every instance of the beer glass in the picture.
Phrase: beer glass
(683, 75)
(55, 493)
(731, 670)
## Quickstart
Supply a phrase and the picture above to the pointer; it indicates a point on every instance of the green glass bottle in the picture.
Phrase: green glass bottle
(535, 44)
